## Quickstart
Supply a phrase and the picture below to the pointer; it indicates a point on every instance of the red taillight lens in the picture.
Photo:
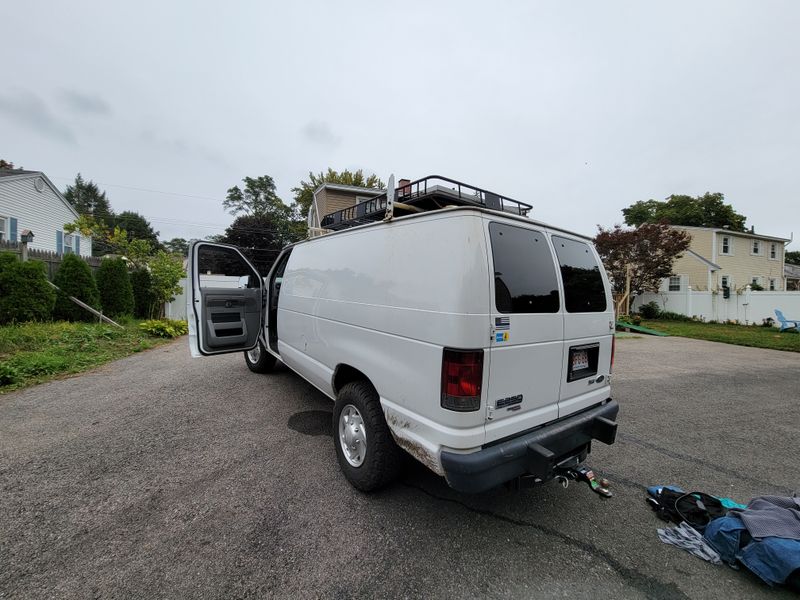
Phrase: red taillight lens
(462, 373)
(613, 350)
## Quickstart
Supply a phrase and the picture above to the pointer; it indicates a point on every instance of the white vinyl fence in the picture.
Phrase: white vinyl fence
(747, 307)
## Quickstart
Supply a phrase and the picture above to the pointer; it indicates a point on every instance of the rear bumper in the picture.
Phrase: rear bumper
(536, 453)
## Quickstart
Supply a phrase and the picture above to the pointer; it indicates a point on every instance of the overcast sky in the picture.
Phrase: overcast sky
(578, 108)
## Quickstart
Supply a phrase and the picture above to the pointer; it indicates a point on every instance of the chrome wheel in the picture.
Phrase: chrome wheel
(352, 435)
(254, 355)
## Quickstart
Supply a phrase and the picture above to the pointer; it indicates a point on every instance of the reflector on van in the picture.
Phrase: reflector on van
(462, 374)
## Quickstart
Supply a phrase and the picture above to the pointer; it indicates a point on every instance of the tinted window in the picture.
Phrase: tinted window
(583, 283)
(524, 272)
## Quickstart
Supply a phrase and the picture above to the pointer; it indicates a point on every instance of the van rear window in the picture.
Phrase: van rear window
(583, 284)
(524, 271)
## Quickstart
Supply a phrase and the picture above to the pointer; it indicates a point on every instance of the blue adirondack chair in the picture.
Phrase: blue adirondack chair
(786, 323)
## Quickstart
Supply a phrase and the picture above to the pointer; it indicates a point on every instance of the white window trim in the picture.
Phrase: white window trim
(773, 284)
(64, 245)
(4, 233)
(722, 280)
(669, 283)
(722, 245)
(777, 252)
(760, 248)
(757, 279)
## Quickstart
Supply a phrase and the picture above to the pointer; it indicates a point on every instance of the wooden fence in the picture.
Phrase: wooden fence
(50, 259)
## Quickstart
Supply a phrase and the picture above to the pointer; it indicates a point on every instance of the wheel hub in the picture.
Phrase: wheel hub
(255, 354)
(352, 435)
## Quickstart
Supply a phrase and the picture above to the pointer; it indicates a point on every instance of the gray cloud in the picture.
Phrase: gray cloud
(27, 108)
(319, 132)
(90, 104)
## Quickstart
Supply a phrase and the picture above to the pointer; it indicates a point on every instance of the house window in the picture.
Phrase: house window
(360, 199)
(773, 251)
(3, 231)
(773, 285)
(725, 281)
(756, 247)
(756, 281)
(726, 244)
(69, 243)
(675, 283)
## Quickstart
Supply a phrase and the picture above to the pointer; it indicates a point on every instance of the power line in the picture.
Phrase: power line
(138, 189)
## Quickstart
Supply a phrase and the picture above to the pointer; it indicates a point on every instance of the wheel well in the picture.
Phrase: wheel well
(345, 374)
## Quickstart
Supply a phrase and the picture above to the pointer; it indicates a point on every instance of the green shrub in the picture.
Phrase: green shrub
(8, 374)
(114, 287)
(651, 310)
(25, 294)
(167, 328)
(144, 299)
(666, 315)
(74, 278)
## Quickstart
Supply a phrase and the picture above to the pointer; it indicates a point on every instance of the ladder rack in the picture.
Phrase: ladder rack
(429, 193)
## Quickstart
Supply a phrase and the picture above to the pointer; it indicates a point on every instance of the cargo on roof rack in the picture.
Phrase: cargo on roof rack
(429, 193)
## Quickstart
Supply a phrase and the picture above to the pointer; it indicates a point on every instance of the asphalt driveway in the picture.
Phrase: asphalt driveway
(159, 476)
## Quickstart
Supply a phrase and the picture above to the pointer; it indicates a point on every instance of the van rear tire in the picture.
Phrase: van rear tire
(378, 461)
(259, 360)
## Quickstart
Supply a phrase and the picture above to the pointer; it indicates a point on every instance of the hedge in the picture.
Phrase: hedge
(74, 278)
(25, 294)
(114, 287)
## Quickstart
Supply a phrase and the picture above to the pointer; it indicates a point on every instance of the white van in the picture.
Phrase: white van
(441, 321)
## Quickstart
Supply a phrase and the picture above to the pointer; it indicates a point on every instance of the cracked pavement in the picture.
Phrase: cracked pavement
(160, 476)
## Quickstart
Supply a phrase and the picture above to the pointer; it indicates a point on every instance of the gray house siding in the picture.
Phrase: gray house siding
(23, 206)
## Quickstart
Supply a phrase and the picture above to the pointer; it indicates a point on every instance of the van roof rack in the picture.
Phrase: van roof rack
(429, 193)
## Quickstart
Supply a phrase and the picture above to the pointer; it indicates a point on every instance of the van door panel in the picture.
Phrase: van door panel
(226, 303)
(588, 322)
(527, 331)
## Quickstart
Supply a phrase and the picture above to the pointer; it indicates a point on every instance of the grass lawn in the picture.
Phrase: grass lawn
(742, 335)
(31, 353)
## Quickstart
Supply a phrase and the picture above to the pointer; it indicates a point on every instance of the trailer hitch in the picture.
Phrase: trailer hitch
(599, 486)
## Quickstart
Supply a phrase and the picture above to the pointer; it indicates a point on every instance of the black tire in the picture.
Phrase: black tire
(265, 362)
(383, 458)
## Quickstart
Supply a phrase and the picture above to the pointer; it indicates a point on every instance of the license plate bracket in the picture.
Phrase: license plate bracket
(583, 361)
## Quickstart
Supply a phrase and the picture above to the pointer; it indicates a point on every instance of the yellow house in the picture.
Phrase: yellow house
(720, 258)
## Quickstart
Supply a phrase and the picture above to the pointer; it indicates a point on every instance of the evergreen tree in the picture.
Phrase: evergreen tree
(74, 278)
(89, 201)
(114, 287)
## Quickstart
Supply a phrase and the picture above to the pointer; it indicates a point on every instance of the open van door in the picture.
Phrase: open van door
(225, 300)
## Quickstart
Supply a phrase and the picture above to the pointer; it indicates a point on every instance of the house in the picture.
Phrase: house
(330, 197)
(29, 200)
(792, 275)
(720, 258)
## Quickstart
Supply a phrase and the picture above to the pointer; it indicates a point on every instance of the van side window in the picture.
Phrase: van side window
(524, 271)
(583, 284)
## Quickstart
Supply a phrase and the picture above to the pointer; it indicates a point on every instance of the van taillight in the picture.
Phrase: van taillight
(462, 373)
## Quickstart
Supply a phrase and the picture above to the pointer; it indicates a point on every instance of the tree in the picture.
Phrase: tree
(649, 250)
(708, 210)
(74, 278)
(792, 257)
(166, 271)
(304, 193)
(114, 287)
(25, 293)
(136, 227)
(143, 297)
(260, 237)
(89, 201)
(5, 164)
(258, 198)
(177, 246)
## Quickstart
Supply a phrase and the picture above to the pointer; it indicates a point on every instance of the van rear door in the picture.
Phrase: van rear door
(527, 328)
(588, 325)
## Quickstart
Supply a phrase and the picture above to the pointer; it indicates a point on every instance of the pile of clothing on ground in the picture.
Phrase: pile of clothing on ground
(763, 536)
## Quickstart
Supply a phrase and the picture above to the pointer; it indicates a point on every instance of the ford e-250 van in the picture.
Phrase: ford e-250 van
(442, 322)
